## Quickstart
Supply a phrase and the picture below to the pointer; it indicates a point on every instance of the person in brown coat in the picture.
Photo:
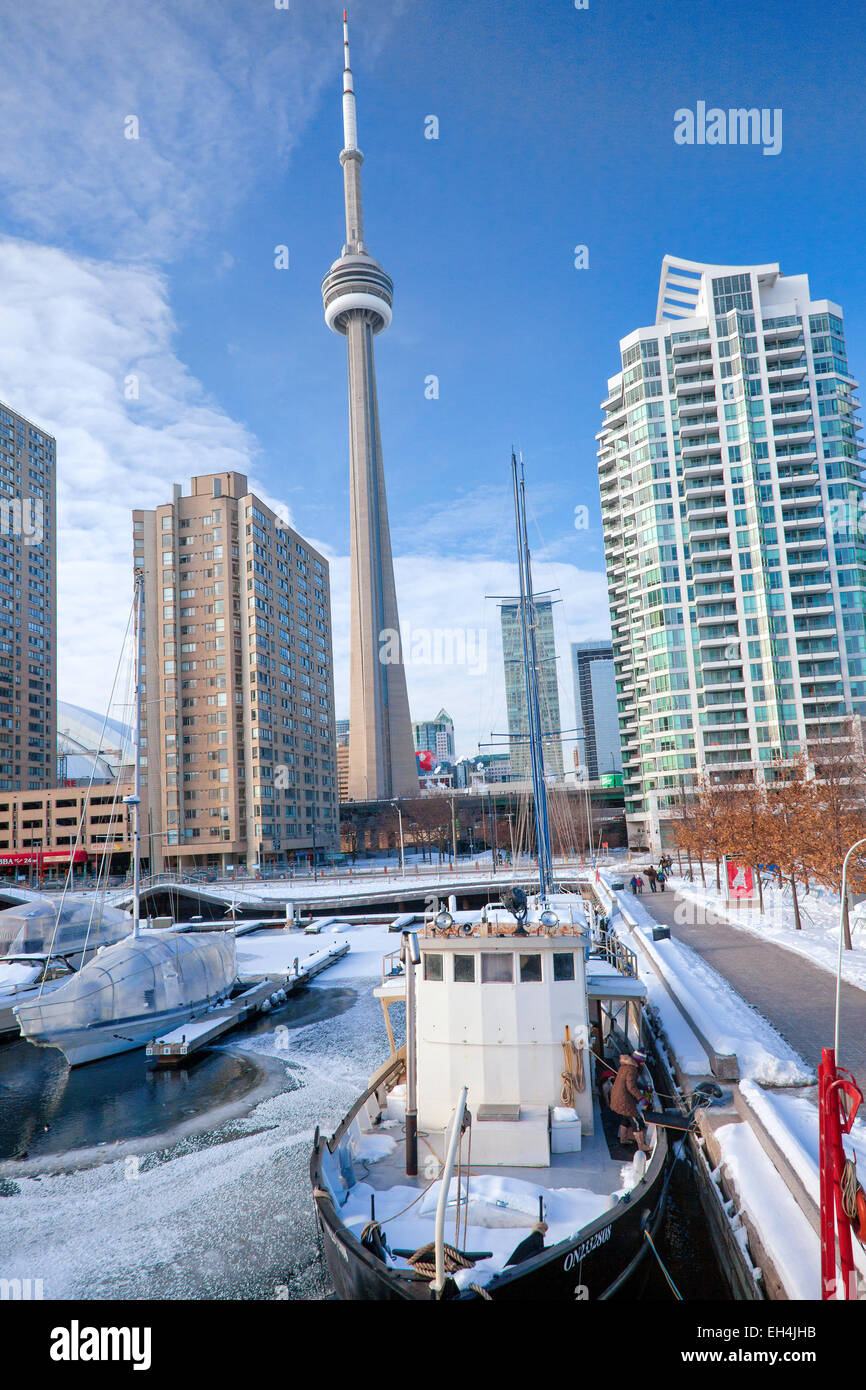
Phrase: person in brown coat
(624, 1097)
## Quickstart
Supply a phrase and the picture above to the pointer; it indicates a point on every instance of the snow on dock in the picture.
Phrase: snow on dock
(174, 1047)
(756, 1149)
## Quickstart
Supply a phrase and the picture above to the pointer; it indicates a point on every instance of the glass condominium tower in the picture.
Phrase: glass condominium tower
(731, 494)
(541, 617)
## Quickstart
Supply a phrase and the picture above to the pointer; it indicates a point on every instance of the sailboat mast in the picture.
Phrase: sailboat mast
(136, 799)
(530, 667)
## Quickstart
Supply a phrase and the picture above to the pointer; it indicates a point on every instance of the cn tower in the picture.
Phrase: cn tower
(357, 296)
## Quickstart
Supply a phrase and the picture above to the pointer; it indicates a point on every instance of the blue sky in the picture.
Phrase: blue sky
(555, 129)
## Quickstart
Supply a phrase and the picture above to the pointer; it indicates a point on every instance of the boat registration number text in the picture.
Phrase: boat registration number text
(574, 1257)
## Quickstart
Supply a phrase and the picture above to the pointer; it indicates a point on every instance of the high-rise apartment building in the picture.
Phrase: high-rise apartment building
(731, 505)
(435, 736)
(541, 619)
(595, 705)
(239, 758)
(28, 605)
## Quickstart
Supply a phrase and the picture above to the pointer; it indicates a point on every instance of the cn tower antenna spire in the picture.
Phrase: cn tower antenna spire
(350, 124)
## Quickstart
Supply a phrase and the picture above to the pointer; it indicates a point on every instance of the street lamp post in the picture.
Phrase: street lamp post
(402, 853)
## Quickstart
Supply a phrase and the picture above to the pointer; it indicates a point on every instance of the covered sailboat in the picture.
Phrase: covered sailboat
(43, 942)
(131, 992)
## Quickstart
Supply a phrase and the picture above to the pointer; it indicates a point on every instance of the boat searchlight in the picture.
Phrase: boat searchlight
(549, 918)
(444, 920)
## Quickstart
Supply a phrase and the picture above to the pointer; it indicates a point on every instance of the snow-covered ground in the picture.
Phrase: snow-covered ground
(274, 951)
(782, 1227)
(729, 1024)
(786, 1232)
(818, 940)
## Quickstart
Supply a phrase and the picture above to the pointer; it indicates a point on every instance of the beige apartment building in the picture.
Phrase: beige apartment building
(239, 761)
(28, 605)
(39, 831)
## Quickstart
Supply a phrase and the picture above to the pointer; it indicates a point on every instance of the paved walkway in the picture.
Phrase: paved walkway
(791, 993)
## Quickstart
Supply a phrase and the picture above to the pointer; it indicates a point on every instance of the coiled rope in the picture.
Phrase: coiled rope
(424, 1260)
(573, 1075)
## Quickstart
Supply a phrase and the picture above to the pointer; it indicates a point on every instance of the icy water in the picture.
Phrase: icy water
(150, 1184)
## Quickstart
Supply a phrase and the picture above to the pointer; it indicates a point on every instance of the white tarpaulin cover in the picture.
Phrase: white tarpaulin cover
(139, 976)
(33, 928)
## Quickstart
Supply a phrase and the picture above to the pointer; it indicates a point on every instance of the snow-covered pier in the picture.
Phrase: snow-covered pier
(261, 993)
(756, 1148)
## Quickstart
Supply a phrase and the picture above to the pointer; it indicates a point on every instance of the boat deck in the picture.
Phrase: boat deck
(595, 1168)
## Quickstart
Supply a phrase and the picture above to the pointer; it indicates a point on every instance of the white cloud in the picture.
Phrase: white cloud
(73, 332)
(444, 596)
(220, 91)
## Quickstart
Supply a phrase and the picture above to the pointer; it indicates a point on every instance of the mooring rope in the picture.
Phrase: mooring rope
(673, 1286)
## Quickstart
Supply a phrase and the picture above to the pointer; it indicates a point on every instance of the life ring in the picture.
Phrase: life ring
(859, 1223)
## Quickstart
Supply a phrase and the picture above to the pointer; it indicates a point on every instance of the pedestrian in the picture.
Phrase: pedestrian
(633, 884)
(661, 880)
(639, 883)
(652, 876)
(624, 1097)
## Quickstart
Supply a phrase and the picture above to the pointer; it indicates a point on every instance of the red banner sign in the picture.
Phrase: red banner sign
(740, 879)
(40, 858)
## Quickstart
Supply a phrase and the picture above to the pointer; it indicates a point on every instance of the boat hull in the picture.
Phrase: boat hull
(80, 1045)
(591, 1265)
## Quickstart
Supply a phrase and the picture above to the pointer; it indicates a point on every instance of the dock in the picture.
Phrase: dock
(755, 1148)
(259, 994)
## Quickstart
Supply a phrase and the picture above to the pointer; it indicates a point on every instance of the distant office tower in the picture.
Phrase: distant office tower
(731, 504)
(436, 736)
(357, 296)
(342, 729)
(239, 754)
(595, 707)
(515, 687)
(28, 605)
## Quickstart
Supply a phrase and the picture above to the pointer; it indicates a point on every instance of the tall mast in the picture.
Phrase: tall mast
(135, 799)
(530, 668)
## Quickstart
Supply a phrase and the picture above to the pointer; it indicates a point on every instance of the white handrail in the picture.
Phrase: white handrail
(439, 1282)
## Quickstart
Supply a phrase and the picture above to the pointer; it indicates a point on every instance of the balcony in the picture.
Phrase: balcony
(791, 330)
(784, 352)
(707, 445)
(793, 434)
(698, 424)
(693, 360)
(695, 403)
(801, 412)
(687, 386)
(789, 392)
(711, 508)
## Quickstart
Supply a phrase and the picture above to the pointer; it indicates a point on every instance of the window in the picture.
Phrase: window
(496, 968)
(530, 969)
(432, 966)
(464, 970)
(563, 965)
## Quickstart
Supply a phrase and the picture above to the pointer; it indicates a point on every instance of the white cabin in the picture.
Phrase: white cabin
(494, 1010)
